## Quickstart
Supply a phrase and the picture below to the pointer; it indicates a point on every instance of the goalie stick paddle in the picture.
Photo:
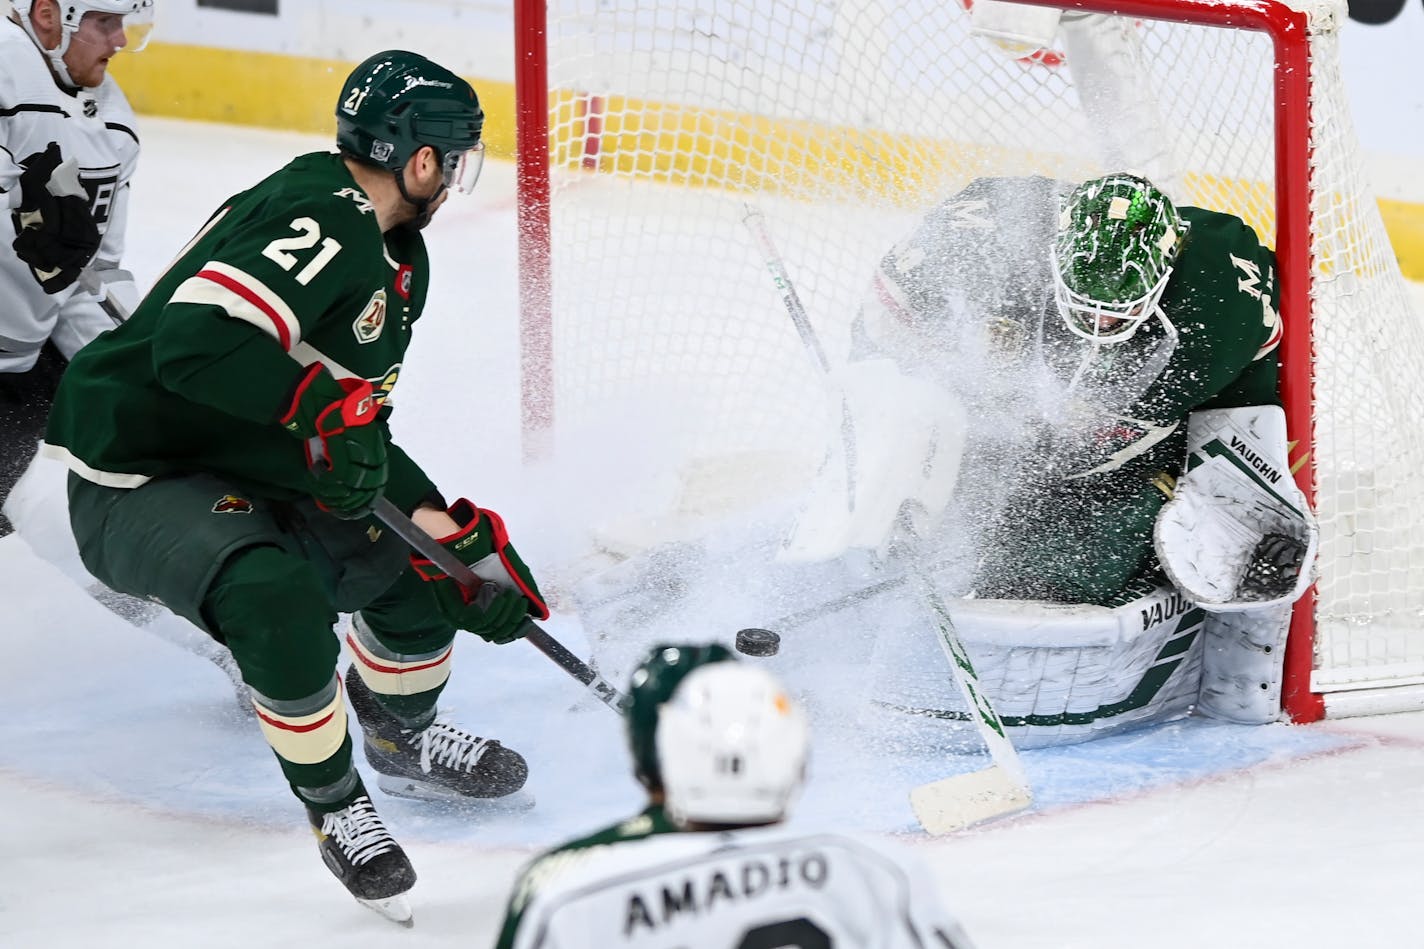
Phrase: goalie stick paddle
(961, 800)
(429, 547)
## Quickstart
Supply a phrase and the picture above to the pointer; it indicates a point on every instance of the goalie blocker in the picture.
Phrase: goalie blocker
(1237, 543)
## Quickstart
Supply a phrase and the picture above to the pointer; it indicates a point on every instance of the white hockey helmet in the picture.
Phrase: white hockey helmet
(138, 24)
(728, 744)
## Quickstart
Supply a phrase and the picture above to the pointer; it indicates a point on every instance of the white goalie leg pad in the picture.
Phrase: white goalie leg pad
(1242, 664)
(894, 439)
(1060, 673)
(1237, 533)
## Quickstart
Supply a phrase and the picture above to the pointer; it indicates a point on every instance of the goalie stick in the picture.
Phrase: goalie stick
(960, 800)
(755, 222)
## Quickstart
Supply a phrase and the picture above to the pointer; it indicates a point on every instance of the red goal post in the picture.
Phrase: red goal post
(639, 118)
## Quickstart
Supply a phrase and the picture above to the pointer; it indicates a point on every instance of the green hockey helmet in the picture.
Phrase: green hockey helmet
(720, 739)
(1118, 238)
(397, 101)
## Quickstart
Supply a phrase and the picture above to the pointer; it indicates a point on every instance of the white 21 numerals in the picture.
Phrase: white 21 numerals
(309, 233)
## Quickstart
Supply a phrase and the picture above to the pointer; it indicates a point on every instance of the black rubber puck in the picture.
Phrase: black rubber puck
(758, 642)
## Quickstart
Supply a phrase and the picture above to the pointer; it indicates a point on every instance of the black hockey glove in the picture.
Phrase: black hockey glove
(54, 233)
(346, 451)
(507, 595)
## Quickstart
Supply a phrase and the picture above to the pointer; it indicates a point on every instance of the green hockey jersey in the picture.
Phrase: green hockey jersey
(290, 272)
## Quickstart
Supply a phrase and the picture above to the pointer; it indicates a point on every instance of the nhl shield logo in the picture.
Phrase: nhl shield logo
(232, 504)
(372, 320)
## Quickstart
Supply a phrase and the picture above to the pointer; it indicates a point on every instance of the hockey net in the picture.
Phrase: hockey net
(658, 355)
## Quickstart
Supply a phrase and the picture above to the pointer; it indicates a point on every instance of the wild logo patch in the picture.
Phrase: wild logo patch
(372, 320)
(232, 504)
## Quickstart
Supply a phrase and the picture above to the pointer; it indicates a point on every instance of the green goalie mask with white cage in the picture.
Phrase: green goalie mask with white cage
(720, 739)
(1118, 238)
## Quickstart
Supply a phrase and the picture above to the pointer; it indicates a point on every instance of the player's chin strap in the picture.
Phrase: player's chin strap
(422, 207)
(56, 55)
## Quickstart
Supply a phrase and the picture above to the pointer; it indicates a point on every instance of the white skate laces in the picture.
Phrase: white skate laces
(358, 831)
(449, 746)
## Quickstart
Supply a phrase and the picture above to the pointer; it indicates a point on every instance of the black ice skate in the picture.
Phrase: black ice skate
(358, 849)
(441, 762)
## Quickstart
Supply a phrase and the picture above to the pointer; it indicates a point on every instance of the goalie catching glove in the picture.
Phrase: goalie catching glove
(497, 610)
(54, 232)
(1237, 534)
(346, 451)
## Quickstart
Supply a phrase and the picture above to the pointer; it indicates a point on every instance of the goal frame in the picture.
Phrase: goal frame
(1288, 31)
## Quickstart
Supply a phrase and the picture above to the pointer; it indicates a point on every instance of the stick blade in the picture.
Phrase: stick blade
(963, 800)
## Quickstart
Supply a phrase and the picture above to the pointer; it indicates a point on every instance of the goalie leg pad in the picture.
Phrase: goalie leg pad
(1061, 673)
(1242, 665)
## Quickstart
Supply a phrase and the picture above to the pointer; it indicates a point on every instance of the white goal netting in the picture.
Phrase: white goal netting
(659, 352)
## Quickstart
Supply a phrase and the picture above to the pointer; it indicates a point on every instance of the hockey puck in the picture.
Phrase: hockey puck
(758, 642)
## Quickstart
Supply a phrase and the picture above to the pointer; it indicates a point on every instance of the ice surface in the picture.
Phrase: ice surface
(140, 809)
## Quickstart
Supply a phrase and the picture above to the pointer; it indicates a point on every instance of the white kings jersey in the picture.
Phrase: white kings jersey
(747, 889)
(96, 128)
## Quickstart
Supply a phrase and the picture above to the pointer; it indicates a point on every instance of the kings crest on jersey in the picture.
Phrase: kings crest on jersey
(288, 273)
(95, 128)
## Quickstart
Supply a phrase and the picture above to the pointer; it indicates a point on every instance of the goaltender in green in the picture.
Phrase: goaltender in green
(1147, 539)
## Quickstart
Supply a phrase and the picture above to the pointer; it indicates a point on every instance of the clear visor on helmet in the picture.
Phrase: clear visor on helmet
(111, 30)
(461, 168)
(1101, 322)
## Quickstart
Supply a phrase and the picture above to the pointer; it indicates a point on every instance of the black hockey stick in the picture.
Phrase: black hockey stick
(429, 547)
(90, 281)
(405, 528)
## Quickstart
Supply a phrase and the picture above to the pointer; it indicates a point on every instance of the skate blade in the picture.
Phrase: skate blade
(395, 908)
(414, 790)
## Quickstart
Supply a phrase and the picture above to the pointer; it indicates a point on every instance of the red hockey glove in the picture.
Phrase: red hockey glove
(507, 595)
(346, 453)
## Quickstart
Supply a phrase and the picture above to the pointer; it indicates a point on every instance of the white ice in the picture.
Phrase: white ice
(141, 810)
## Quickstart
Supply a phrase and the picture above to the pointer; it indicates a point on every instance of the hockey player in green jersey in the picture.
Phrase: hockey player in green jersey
(1120, 354)
(721, 750)
(228, 442)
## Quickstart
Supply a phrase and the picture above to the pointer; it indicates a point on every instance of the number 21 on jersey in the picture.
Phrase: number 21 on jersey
(309, 234)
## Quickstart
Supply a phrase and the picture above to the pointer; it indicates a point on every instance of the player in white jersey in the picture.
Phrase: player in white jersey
(721, 749)
(68, 147)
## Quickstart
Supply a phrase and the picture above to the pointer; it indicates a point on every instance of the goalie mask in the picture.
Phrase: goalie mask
(1118, 238)
(721, 739)
(396, 102)
(137, 24)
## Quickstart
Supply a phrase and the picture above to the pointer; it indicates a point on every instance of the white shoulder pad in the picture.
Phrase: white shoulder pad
(1238, 533)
